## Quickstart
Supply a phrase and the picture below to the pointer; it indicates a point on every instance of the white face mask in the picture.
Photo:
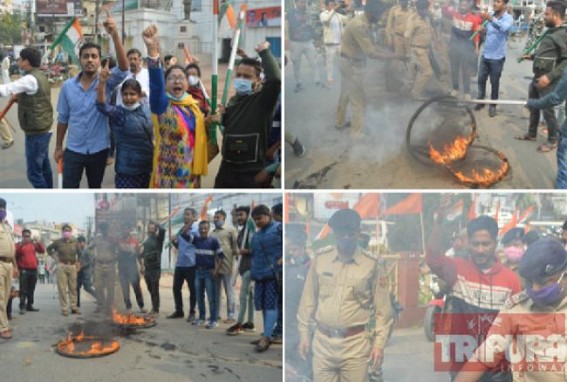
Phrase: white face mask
(132, 107)
(193, 80)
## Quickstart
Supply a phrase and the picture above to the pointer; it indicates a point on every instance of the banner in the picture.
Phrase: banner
(264, 17)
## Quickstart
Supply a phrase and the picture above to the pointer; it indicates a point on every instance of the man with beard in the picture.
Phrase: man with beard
(139, 74)
(478, 285)
(550, 59)
(344, 291)
(542, 305)
(88, 140)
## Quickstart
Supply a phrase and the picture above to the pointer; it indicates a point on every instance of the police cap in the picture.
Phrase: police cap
(345, 220)
(513, 235)
(542, 259)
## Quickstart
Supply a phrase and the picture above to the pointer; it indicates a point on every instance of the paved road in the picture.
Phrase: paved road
(380, 159)
(171, 351)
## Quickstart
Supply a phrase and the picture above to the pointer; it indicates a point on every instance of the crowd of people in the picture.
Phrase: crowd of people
(450, 41)
(155, 124)
(209, 260)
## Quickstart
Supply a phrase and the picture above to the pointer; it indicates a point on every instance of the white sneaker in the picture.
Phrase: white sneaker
(467, 97)
(454, 93)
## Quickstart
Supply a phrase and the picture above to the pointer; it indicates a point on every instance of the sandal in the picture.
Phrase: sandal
(547, 147)
(525, 137)
(6, 335)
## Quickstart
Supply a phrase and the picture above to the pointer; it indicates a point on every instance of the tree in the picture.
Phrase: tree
(10, 29)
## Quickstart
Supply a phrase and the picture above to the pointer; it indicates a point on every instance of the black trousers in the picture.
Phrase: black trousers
(28, 280)
(180, 275)
(152, 277)
(130, 276)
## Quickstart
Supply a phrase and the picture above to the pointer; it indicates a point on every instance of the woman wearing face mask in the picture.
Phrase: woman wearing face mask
(180, 156)
(514, 248)
(132, 129)
(196, 88)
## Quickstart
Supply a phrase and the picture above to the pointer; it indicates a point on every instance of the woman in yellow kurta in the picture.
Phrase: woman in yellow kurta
(180, 156)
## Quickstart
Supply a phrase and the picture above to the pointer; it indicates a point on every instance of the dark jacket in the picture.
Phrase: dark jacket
(133, 132)
(550, 57)
(248, 120)
(35, 112)
(153, 246)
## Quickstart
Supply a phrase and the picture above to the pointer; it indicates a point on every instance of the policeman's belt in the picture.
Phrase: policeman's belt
(6, 259)
(420, 46)
(67, 262)
(340, 332)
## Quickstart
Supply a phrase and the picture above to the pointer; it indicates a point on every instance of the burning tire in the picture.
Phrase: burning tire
(433, 139)
(84, 346)
(133, 321)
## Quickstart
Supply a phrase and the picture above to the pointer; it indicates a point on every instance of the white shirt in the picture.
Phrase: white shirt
(6, 63)
(26, 84)
(143, 77)
(332, 26)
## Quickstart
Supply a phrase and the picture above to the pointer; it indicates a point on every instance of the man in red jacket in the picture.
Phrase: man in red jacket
(480, 284)
(27, 264)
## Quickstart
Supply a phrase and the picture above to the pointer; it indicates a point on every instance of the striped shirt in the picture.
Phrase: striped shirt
(207, 250)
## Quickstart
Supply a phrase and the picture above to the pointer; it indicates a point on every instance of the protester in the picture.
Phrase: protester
(196, 88)
(88, 137)
(151, 255)
(85, 274)
(138, 73)
(180, 157)
(333, 25)
(132, 128)
(266, 271)
(27, 265)
(128, 271)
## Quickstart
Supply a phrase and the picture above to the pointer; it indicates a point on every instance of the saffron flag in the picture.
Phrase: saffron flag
(511, 224)
(70, 39)
(472, 209)
(526, 214)
(205, 208)
(410, 205)
(227, 10)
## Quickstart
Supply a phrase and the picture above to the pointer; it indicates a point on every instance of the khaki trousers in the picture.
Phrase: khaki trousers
(352, 91)
(341, 359)
(5, 289)
(5, 133)
(424, 71)
(399, 47)
(67, 282)
(105, 277)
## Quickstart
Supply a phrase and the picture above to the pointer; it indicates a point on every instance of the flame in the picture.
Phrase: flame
(451, 151)
(129, 319)
(97, 347)
(483, 177)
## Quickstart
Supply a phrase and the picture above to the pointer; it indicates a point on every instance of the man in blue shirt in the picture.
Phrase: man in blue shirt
(88, 139)
(497, 26)
(185, 265)
(209, 261)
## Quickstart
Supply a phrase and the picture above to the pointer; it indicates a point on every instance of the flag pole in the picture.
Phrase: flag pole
(422, 231)
(215, 69)
(232, 58)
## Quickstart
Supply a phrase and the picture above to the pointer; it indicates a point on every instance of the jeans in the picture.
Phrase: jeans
(492, 68)
(181, 274)
(229, 291)
(246, 298)
(462, 55)
(204, 281)
(37, 160)
(270, 318)
(561, 181)
(74, 164)
(228, 178)
(28, 280)
(152, 277)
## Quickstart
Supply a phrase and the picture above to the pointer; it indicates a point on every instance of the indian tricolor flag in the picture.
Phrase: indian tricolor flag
(70, 39)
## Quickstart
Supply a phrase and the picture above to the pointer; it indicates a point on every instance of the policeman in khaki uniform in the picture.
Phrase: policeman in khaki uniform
(64, 250)
(356, 45)
(8, 269)
(398, 17)
(544, 268)
(344, 291)
(418, 38)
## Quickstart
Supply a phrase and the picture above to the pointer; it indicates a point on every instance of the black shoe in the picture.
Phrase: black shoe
(298, 148)
(175, 315)
(479, 106)
(249, 327)
(22, 311)
(32, 309)
(492, 111)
